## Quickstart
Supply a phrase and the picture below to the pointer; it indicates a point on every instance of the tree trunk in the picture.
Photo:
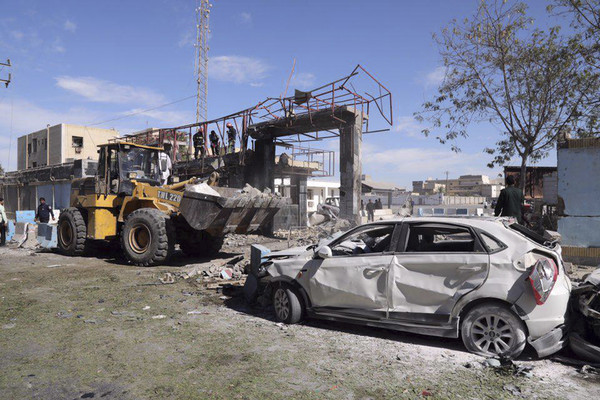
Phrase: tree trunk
(523, 177)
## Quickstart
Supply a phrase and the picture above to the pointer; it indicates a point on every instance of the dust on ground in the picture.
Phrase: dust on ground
(90, 327)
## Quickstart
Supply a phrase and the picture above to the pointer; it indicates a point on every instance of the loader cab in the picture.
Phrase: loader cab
(120, 164)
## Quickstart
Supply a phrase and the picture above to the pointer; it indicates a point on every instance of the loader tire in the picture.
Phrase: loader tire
(71, 232)
(200, 244)
(146, 238)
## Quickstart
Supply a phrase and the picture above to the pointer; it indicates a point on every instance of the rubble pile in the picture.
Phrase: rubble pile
(313, 234)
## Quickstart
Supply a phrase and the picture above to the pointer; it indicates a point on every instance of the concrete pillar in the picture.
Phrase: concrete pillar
(264, 156)
(298, 191)
(350, 168)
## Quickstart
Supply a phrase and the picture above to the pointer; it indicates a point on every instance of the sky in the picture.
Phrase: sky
(85, 62)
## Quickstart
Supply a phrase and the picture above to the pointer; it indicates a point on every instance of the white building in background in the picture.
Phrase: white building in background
(318, 191)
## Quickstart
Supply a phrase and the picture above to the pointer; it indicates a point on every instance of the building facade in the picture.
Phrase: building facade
(59, 144)
(465, 185)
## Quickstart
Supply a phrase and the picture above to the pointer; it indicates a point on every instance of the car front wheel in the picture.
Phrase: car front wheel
(287, 305)
(493, 330)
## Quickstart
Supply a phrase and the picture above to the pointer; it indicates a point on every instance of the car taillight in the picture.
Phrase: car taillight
(542, 278)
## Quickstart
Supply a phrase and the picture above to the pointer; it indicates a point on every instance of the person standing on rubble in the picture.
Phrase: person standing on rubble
(198, 140)
(214, 143)
(370, 211)
(44, 212)
(510, 201)
(3, 223)
(231, 134)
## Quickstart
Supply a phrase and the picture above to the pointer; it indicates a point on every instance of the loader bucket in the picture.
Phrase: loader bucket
(230, 212)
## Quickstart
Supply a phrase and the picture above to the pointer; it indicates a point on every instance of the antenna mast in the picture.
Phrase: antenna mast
(202, 32)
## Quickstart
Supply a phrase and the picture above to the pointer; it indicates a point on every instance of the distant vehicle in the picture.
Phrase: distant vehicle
(333, 201)
(496, 285)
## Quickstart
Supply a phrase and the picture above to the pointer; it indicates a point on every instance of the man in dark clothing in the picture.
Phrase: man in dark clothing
(231, 134)
(198, 140)
(370, 213)
(214, 143)
(3, 223)
(510, 201)
(44, 212)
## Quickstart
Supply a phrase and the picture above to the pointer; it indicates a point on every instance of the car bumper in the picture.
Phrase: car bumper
(550, 343)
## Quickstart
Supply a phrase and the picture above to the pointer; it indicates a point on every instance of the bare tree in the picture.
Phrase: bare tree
(527, 82)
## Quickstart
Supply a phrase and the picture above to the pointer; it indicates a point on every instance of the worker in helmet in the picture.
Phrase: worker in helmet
(214, 143)
(231, 134)
(198, 140)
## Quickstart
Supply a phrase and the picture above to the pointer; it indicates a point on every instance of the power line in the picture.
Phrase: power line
(141, 111)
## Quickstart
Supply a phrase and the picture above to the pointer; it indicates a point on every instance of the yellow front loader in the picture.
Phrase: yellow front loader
(126, 202)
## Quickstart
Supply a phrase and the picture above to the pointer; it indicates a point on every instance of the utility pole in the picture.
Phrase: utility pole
(7, 64)
(201, 59)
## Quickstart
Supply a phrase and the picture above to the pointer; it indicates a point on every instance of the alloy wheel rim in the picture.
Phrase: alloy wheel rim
(281, 304)
(492, 334)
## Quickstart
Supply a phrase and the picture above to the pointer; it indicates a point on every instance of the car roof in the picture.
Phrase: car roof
(490, 224)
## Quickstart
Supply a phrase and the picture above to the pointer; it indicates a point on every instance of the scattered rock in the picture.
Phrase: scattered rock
(90, 321)
(64, 314)
(53, 266)
(492, 362)
(8, 326)
(146, 308)
(160, 316)
(167, 278)
(512, 389)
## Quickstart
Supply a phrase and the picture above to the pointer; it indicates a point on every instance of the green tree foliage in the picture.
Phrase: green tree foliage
(528, 82)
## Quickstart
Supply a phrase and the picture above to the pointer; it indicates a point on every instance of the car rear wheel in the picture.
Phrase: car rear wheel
(287, 305)
(493, 330)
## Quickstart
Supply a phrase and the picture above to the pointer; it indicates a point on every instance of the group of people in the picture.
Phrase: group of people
(371, 207)
(215, 143)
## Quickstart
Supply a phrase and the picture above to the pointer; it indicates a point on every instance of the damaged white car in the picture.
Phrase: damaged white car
(492, 283)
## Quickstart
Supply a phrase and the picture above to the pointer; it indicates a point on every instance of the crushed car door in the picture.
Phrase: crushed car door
(437, 264)
(353, 282)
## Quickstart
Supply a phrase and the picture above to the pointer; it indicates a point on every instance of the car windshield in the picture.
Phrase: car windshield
(143, 163)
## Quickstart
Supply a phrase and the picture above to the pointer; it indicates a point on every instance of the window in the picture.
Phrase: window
(491, 243)
(364, 240)
(77, 141)
(29, 148)
(441, 238)
(34, 142)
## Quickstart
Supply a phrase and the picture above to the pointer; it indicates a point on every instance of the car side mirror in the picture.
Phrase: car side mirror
(325, 252)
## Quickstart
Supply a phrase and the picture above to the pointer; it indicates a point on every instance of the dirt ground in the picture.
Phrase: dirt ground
(74, 328)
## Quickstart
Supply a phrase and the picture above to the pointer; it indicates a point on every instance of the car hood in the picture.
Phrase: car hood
(291, 252)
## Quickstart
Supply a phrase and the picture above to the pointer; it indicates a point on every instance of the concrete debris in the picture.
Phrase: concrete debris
(506, 366)
(53, 266)
(587, 369)
(160, 316)
(202, 188)
(167, 278)
(146, 308)
(512, 389)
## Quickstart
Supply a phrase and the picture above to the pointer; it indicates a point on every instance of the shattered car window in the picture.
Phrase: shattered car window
(369, 239)
(491, 243)
(440, 238)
